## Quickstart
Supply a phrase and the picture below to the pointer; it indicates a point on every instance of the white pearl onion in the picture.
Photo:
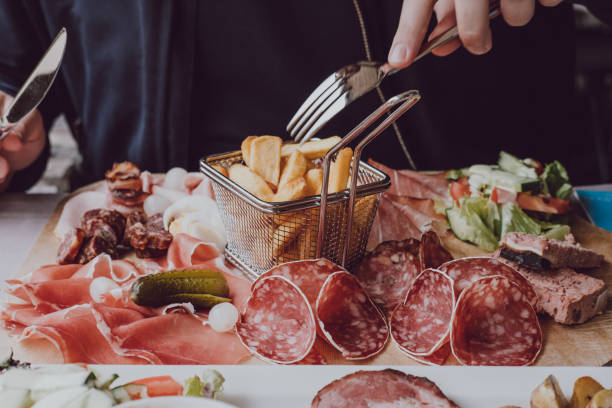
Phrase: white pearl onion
(223, 317)
(174, 178)
(155, 204)
(100, 286)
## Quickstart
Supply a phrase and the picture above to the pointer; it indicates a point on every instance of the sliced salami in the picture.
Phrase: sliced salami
(308, 275)
(348, 318)
(495, 325)
(387, 272)
(277, 324)
(437, 358)
(464, 271)
(421, 324)
(313, 358)
(378, 389)
(431, 252)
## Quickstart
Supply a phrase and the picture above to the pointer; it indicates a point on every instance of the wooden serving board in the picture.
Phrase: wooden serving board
(588, 344)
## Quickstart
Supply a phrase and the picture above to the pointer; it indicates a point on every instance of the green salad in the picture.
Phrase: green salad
(512, 195)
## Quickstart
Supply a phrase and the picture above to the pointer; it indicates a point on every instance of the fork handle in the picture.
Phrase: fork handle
(444, 38)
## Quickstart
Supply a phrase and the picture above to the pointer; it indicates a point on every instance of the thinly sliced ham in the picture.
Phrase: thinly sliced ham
(409, 183)
(74, 209)
(53, 318)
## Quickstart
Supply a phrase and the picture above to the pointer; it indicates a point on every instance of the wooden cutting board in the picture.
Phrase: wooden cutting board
(588, 344)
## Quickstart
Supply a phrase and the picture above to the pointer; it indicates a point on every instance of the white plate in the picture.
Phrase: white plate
(267, 386)
(175, 402)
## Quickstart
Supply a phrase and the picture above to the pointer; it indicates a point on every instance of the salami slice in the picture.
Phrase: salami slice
(313, 358)
(378, 389)
(387, 272)
(348, 318)
(308, 275)
(277, 324)
(464, 271)
(421, 324)
(431, 252)
(495, 325)
(437, 358)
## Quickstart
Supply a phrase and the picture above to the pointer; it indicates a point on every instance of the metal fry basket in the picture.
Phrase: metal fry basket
(336, 226)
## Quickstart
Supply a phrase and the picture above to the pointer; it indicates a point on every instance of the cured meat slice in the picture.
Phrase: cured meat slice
(124, 176)
(308, 275)
(464, 271)
(387, 272)
(74, 209)
(421, 324)
(313, 358)
(112, 218)
(378, 389)
(437, 358)
(495, 325)
(348, 318)
(431, 252)
(277, 324)
(70, 246)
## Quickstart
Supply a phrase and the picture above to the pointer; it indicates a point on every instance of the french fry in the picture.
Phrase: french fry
(313, 149)
(293, 190)
(314, 181)
(264, 157)
(245, 147)
(251, 182)
(295, 166)
(584, 390)
(220, 169)
(286, 232)
(339, 172)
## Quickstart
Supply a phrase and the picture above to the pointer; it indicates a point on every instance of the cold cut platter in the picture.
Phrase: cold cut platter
(479, 266)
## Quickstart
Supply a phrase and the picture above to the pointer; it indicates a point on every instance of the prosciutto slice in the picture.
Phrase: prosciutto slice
(51, 316)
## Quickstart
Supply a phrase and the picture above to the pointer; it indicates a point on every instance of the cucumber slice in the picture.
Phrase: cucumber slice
(98, 399)
(483, 176)
(68, 397)
(514, 165)
(468, 226)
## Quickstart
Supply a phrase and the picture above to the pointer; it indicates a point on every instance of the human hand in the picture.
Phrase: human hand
(23, 144)
(470, 16)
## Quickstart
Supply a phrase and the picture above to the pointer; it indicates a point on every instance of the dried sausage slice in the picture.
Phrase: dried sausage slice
(277, 324)
(421, 324)
(308, 275)
(378, 389)
(70, 246)
(431, 252)
(494, 324)
(387, 272)
(348, 318)
(464, 271)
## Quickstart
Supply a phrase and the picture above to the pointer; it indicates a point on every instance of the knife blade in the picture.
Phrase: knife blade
(37, 85)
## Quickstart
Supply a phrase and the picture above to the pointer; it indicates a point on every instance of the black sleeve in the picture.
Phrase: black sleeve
(21, 48)
(602, 9)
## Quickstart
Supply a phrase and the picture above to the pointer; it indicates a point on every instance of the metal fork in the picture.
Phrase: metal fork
(351, 82)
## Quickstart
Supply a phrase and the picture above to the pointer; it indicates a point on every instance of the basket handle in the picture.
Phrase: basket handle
(409, 99)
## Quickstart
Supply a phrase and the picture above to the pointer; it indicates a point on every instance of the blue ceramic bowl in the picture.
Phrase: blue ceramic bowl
(599, 206)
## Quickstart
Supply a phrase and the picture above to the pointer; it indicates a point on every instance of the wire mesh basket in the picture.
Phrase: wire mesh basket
(263, 234)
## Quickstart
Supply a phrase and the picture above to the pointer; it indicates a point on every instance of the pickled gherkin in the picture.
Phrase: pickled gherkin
(202, 288)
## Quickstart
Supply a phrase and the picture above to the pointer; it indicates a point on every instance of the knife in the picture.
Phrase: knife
(36, 86)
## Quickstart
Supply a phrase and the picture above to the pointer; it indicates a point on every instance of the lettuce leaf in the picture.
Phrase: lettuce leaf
(515, 220)
(556, 180)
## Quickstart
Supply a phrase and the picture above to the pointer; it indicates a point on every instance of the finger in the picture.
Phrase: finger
(473, 25)
(517, 12)
(445, 14)
(550, 3)
(411, 30)
(12, 143)
(5, 169)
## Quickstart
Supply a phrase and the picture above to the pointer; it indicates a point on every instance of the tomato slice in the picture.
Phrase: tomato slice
(459, 189)
(548, 205)
(160, 386)
(501, 196)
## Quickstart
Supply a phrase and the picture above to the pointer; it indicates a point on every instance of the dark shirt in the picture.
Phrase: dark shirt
(162, 83)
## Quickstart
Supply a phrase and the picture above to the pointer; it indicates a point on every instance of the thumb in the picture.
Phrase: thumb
(12, 142)
(5, 169)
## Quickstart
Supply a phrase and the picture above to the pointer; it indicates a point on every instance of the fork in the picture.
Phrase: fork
(351, 82)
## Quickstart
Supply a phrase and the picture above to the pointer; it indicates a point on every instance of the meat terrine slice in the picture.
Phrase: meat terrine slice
(538, 252)
(569, 297)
